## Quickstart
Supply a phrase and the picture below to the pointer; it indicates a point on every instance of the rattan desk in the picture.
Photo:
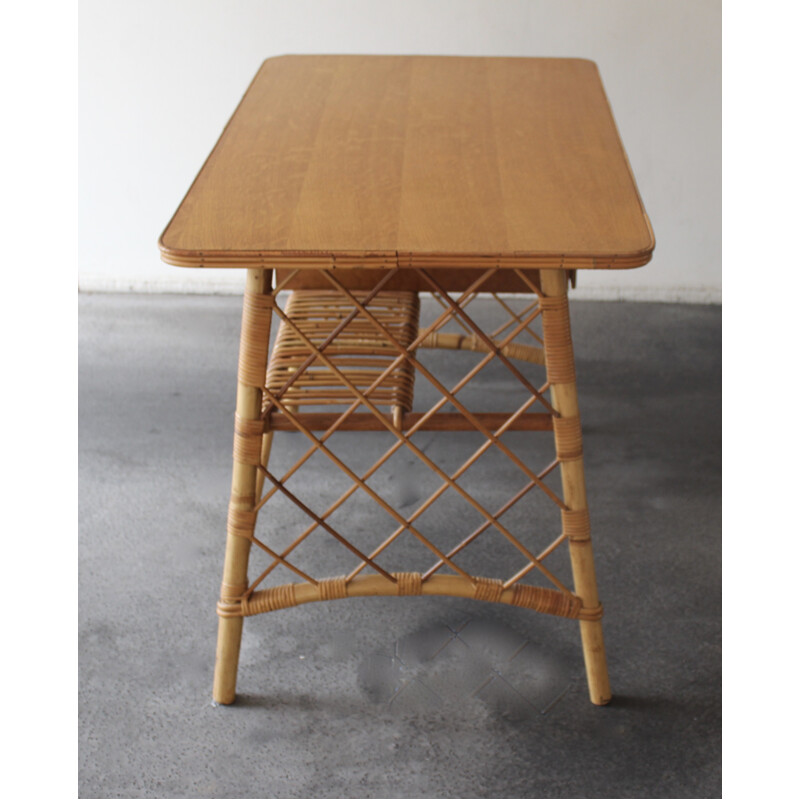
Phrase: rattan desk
(355, 183)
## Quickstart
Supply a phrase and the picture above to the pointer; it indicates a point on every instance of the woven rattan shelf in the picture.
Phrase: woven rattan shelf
(314, 318)
(347, 186)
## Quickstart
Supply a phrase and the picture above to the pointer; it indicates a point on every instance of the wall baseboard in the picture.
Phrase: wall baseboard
(233, 285)
(699, 295)
(230, 284)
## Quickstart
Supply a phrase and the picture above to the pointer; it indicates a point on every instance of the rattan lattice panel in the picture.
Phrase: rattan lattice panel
(359, 352)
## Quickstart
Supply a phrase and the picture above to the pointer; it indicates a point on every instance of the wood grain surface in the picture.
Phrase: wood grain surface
(378, 161)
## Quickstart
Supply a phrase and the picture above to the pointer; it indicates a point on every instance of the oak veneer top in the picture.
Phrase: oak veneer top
(449, 161)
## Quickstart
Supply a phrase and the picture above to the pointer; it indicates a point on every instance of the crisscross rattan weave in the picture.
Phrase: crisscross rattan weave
(357, 350)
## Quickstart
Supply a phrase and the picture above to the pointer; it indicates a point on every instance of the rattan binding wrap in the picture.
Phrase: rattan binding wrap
(569, 439)
(557, 339)
(247, 435)
(254, 342)
(576, 525)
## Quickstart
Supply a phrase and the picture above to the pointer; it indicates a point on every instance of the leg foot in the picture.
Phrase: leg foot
(229, 639)
(594, 656)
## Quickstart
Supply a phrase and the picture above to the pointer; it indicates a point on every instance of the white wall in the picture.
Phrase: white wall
(159, 79)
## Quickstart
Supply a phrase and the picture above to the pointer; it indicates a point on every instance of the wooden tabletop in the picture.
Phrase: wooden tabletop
(444, 161)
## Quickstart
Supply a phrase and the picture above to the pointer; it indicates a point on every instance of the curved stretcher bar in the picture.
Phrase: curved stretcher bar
(546, 601)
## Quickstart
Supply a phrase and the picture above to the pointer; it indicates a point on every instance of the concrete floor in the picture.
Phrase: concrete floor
(424, 697)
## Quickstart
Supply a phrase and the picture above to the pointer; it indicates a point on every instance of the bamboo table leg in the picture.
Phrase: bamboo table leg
(247, 454)
(569, 449)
